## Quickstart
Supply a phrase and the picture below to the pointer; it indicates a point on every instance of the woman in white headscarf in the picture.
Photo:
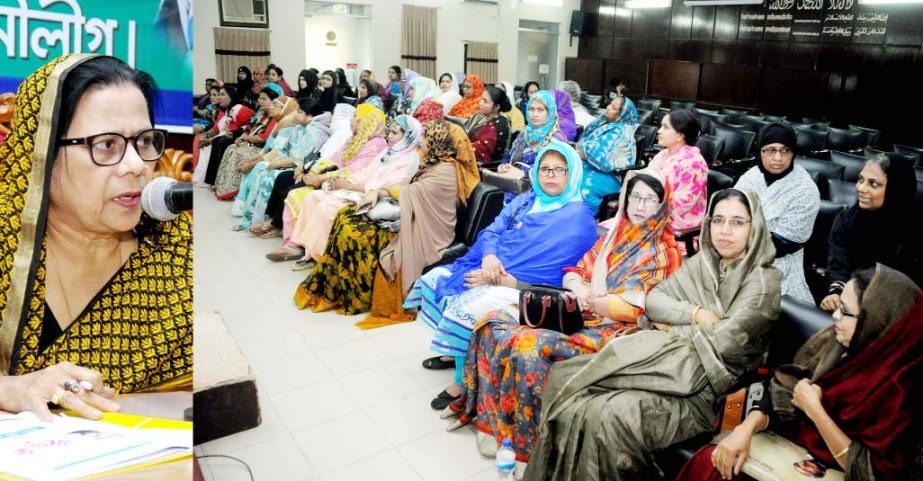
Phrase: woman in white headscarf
(449, 95)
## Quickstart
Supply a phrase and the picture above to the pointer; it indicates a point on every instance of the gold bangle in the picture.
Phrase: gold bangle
(841, 453)
(694, 312)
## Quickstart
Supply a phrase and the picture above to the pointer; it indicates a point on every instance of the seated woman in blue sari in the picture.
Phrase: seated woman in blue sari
(541, 126)
(531, 241)
(607, 144)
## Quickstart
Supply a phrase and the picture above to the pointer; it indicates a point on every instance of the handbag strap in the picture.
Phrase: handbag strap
(527, 299)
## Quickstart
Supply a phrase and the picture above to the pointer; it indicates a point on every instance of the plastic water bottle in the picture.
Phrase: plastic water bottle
(506, 462)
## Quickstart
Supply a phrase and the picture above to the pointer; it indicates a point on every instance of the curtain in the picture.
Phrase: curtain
(240, 46)
(482, 61)
(418, 41)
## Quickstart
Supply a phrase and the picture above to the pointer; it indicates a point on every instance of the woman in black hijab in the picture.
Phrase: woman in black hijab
(307, 85)
(245, 86)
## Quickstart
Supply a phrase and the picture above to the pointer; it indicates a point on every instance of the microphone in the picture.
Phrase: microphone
(164, 198)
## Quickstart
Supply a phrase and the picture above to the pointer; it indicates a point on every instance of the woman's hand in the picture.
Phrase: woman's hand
(705, 316)
(197, 129)
(509, 281)
(806, 397)
(830, 303)
(474, 279)
(33, 392)
(515, 173)
(504, 168)
(492, 269)
(731, 453)
(246, 166)
(299, 174)
(205, 141)
(370, 199)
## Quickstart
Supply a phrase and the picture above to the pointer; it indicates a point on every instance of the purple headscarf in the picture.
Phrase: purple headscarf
(566, 120)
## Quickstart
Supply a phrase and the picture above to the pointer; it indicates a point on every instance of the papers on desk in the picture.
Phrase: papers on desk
(73, 448)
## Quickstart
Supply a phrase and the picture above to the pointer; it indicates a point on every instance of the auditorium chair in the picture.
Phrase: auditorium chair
(649, 132)
(852, 164)
(752, 123)
(894, 156)
(645, 116)
(796, 324)
(648, 104)
(680, 104)
(516, 185)
(737, 144)
(821, 171)
(822, 125)
(710, 147)
(773, 118)
(841, 192)
(733, 115)
(707, 118)
(870, 136)
(659, 115)
(456, 120)
(844, 140)
(484, 204)
(915, 152)
(817, 248)
(810, 141)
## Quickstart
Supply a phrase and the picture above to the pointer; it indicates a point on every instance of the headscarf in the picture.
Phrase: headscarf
(600, 141)
(571, 192)
(245, 86)
(567, 121)
(868, 388)
(777, 133)
(413, 131)
(508, 89)
(468, 106)
(275, 88)
(466, 163)
(440, 147)
(449, 98)
(636, 256)
(428, 110)
(26, 166)
(423, 88)
(310, 79)
(340, 130)
(371, 125)
(375, 101)
(538, 137)
(286, 118)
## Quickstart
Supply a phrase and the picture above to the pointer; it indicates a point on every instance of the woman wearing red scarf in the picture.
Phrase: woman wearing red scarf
(847, 397)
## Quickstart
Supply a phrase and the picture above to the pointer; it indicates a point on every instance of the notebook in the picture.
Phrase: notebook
(75, 448)
(774, 458)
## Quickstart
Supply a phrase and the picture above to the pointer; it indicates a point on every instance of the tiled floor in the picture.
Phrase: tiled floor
(338, 403)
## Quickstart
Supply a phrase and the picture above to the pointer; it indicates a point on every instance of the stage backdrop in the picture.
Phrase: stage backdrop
(151, 35)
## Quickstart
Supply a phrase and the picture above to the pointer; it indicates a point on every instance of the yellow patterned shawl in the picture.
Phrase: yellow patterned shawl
(137, 331)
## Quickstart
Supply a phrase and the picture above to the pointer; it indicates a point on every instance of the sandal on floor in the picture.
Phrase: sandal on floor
(304, 264)
(240, 227)
(285, 254)
(442, 400)
(260, 229)
(271, 233)
(436, 363)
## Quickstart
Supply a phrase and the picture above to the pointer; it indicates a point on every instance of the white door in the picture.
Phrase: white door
(537, 55)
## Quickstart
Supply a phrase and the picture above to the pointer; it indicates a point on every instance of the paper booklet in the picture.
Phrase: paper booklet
(774, 458)
(73, 448)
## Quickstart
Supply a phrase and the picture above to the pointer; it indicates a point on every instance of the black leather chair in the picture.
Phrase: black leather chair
(710, 148)
(844, 140)
(821, 171)
(752, 123)
(645, 116)
(852, 164)
(516, 185)
(484, 204)
(649, 132)
(809, 141)
(718, 181)
(772, 118)
(649, 104)
(733, 115)
(915, 152)
(456, 120)
(822, 125)
(841, 192)
(737, 143)
(870, 136)
(707, 118)
(817, 248)
(796, 324)
(894, 156)
(681, 104)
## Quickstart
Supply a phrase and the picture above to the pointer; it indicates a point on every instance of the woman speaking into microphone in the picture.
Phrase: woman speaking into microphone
(95, 297)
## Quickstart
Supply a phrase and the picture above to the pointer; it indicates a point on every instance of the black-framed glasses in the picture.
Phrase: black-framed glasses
(644, 201)
(109, 148)
(549, 172)
(772, 152)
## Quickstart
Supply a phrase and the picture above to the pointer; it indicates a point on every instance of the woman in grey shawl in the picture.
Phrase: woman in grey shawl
(603, 415)
(790, 202)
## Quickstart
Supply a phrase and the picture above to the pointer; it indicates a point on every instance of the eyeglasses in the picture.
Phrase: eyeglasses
(549, 172)
(772, 152)
(109, 148)
(644, 201)
(735, 222)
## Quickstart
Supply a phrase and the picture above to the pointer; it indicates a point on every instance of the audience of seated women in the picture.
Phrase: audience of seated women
(790, 202)
(507, 364)
(604, 414)
(472, 89)
(848, 398)
(232, 116)
(489, 129)
(427, 221)
(869, 231)
(607, 145)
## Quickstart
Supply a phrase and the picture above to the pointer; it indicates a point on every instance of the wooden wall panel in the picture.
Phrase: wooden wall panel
(674, 79)
(730, 84)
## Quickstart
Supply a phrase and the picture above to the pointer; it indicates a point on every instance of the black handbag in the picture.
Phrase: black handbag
(549, 307)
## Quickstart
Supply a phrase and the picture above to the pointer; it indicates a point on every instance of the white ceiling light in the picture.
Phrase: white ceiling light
(545, 3)
(647, 3)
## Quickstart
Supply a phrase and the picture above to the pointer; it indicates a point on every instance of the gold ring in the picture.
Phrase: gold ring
(58, 396)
